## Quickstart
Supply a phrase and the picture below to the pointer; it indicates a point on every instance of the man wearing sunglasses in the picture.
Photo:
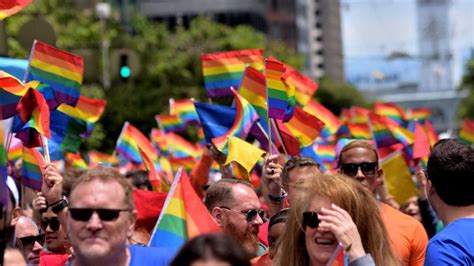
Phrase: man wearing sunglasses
(235, 207)
(56, 237)
(359, 160)
(28, 239)
(449, 186)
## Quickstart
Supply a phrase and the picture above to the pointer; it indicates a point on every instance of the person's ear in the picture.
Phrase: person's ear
(218, 215)
(133, 219)
(430, 190)
(380, 177)
(16, 213)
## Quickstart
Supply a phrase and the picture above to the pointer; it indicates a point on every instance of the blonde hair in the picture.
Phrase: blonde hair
(352, 197)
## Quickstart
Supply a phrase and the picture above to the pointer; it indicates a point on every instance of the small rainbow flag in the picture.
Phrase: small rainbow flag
(152, 173)
(86, 109)
(61, 70)
(253, 88)
(224, 70)
(304, 127)
(15, 150)
(281, 97)
(432, 136)
(421, 113)
(183, 216)
(186, 162)
(359, 130)
(185, 110)
(331, 122)
(381, 133)
(421, 147)
(355, 114)
(244, 119)
(326, 152)
(11, 91)
(11, 7)
(179, 147)
(95, 158)
(128, 142)
(31, 170)
(305, 87)
(158, 138)
(466, 133)
(3, 169)
(390, 110)
(170, 123)
(75, 160)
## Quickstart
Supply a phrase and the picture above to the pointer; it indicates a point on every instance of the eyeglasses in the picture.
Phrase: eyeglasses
(53, 224)
(84, 214)
(311, 219)
(368, 168)
(29, 241)
(250, 215)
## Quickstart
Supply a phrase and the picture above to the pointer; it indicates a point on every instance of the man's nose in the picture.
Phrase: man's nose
(37, 246)
(258, 220)
(359, 175)
(94, 223)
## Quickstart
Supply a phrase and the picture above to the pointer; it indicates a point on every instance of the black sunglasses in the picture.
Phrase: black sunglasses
(84, 214)
(53, 224)
(311, 219)
(29, 241)
(368, 168)
(250, 215)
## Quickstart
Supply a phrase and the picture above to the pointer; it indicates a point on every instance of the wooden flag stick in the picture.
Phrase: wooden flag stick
(47, 159)
(270, 142)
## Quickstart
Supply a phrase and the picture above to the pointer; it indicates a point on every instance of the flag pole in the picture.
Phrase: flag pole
(268, 111)
(171, 103)
(47, 159)
(9, 142)
(270, 142)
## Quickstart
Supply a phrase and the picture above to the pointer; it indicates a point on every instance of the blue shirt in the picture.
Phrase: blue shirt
(454, 245)
(140, 255)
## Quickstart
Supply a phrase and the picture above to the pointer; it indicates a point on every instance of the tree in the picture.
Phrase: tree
(336, 96)
(466, 107)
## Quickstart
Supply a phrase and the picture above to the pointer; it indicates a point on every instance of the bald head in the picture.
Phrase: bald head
(26, 227)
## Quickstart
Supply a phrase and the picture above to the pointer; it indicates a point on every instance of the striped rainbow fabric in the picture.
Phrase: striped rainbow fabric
(170, 123)
(185, 110)
(89, 110)
(96, 158)
(11, 91)
(224, 70)
(15, 150)
(75, 160)
(420, 113)
(466, 133)
(390, 110)
(183, 216)
(304, 126)
(253, 88)
(128, 142)
(11, 7)
(304, 86)
(159, 140)
(281, 98)
(359, 130)
(152, 172)
(244, 119)
(381, 133)
(179, 147)
(331, 122)
(61, 70)
(432, 136)
(31, 170)
(3, 167)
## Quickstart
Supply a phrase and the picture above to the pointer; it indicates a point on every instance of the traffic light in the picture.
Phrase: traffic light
(124, 70)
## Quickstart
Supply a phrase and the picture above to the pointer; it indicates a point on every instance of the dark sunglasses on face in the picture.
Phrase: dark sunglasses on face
(311, 219)
(250, 215)
(29, 241)
(53, 224)
(368, 168)
(84, 214)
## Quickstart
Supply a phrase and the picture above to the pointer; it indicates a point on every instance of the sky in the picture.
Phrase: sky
(374, 28)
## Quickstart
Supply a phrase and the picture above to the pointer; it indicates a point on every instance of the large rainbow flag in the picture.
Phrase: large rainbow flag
(183, 216)
(253, 88)
(61, 70)
(128, 142)
(224, 70)
(11, 7)
(331, 122)
(244, 119)
(185, 110)
(31, 170)
(281, 97)
(466, 133)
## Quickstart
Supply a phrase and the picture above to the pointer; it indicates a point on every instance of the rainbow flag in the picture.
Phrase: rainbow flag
(331, 122)
(15, 150)
(63, 71)
(224, 70)
(421, 113)
(128, 142)
(170, 123)
(304, 127)
(96, 158)
(339, 257)
(432, 136)
(253, 88)
(381, 133)
(183, 216)
(11, 7)
(33, 119)
(179, 147)
(281, 97)
(244, 119)
(152, 173)
(75, 160)
(11, 91)
(31, 170)
(185, 110)
(86, 109)
(390, 110)
(359, 130)
(186, 163)
(355, 114)
(159, 140)
(466, 133)
(326, 152)
(3, 169)
(305, 87)
(421, 147)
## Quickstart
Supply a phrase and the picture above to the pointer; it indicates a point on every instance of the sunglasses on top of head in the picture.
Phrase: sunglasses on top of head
(84, 214)
(250, 215)
(367, 168)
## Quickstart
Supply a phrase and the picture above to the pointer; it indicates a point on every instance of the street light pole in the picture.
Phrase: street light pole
(103, 12)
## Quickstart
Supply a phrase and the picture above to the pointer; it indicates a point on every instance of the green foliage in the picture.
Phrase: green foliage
(336, 96)
(466, 108)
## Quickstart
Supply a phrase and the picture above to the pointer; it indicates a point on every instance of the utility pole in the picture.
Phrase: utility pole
(103, 12)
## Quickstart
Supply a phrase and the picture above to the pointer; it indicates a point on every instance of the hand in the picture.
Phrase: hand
(339, 222)
(421, 178)
(271, 175)
(39, 202)
(52, 187)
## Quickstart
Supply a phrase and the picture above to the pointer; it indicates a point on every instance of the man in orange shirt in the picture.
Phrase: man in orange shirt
(359, 160)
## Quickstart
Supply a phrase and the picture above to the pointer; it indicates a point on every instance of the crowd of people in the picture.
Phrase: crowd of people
(301, 217)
